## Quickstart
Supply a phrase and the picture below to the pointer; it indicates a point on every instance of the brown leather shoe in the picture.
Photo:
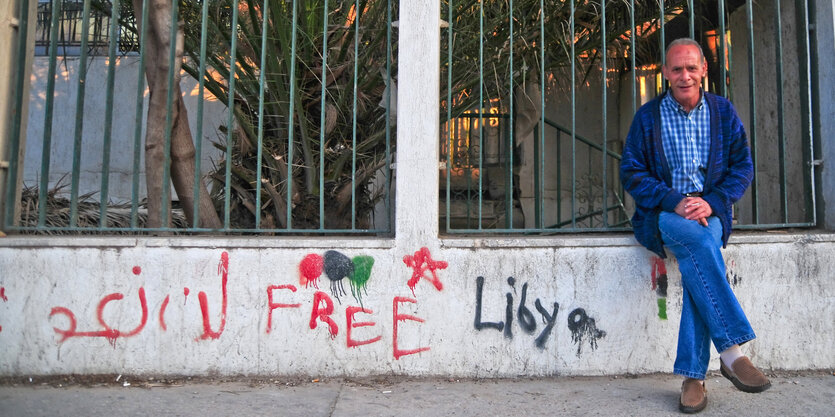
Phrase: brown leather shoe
(693, 396)
(745, 376)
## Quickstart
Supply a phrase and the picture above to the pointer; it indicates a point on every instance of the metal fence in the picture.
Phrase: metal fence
(307, 141)
(567, 77)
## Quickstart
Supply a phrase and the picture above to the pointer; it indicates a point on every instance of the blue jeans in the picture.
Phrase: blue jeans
(710, 310)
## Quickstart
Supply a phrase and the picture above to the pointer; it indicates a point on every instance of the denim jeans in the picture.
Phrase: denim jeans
(710, 310)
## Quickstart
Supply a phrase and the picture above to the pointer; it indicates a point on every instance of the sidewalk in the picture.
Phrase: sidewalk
(792, 394)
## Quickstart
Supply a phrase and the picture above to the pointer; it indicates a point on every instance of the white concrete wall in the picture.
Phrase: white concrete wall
(123, 125)
(607, 322)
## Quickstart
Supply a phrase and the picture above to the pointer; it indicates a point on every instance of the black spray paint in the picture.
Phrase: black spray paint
(582, 326)
(337, 267)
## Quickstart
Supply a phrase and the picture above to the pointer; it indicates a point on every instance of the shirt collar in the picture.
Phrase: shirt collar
(674, 105)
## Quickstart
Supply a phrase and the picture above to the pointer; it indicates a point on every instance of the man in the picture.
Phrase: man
(685, 163)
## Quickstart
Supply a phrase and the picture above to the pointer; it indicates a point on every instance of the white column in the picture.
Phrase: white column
(418, 79)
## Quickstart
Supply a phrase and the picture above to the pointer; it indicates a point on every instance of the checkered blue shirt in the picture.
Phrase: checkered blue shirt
(686, 140)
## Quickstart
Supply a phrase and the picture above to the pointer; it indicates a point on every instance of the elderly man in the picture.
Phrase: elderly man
(685, 163)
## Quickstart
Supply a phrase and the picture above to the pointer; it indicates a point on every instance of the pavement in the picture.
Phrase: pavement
(792, 394)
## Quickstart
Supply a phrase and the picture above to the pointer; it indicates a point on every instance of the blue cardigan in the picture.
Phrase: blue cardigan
(645, 174)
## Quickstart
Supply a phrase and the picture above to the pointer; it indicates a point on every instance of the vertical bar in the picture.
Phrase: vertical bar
(322, 118)
(605, 78)
(537, 177)
(781, 134)
(631, 51)
(540, 166)
(723, 86)
(231, 116)
(17, 115)
(806, 99)
(262, 83)
(108, 111)
(574, 120)
(79, 114)
(198, 136)
(450, 124)
(752, 87)
(137, 134)
(559, 176)
(354, 122)
(692, 16)
(291, 120)
(511, 131)
(480, 110)
(388, 106)
(47, 128)
(662, 41)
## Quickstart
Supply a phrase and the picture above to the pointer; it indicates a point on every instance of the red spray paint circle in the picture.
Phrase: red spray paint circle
(137, 270)
(310, 269)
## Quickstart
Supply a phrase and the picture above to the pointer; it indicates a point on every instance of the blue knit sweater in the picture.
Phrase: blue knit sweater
(645, 174)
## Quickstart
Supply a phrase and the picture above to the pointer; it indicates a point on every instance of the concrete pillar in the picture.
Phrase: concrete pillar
(823, 37)
(417, 124)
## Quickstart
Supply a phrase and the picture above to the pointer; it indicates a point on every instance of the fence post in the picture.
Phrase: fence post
(823, 84)
(9, 30)
(419, 49)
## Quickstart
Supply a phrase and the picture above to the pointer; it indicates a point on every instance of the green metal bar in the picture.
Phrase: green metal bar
(108, 112)
(137, 133)
(388, 106)
(480, 111)
(198, 137)
(357, 12)
(48, 108)
(263, 82)
(808, 95)
(540, 166)
(781, 133)
(322, 118)
(79, 111)
(230, 121)
(450, 123)
(605, 77)
(16, 115)
(574, 113)
(661, 39)
(511, 131)
(537, 177)
(692, 16)
(631, 52)
(165, 207)
(203, 230)
(752, 86)
(291, 117)
(559, 175)
(723, 86)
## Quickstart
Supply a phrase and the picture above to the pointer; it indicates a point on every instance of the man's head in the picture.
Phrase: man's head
(684, 69)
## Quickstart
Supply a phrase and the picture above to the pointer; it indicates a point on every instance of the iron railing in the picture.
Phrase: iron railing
(580, 70)
(307, 142)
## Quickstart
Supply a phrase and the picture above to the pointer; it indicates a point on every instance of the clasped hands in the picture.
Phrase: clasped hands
(694, 208)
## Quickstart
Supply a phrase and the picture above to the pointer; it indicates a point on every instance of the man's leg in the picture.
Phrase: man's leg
(710, 308)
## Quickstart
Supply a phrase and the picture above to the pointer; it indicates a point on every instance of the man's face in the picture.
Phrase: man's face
(685, 69)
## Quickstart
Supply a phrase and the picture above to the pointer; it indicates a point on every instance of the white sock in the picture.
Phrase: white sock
(729, 355)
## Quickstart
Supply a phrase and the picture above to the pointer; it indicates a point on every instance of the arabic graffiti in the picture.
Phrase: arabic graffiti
(111, 334)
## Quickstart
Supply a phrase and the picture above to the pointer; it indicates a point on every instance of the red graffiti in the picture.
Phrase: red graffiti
(398, 353)
(323, 314)
(137, 270)
(658, 269)
(350, 324)
(108, 332)
(273, 305)
(4, 298)
(310, 269)
(162, 313)
(222, 269)
(420, 262)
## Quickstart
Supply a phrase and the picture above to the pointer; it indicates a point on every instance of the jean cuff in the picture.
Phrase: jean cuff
(688, 374)
(737, 341)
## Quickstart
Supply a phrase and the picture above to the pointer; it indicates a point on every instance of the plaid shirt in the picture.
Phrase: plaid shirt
(686, 140)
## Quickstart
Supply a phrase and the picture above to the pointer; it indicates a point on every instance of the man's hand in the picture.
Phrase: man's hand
(694, 208)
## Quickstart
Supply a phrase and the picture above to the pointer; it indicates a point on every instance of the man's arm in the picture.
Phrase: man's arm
(636, 177)
(731, 187)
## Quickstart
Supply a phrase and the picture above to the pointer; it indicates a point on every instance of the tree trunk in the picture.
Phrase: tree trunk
(157, 46)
